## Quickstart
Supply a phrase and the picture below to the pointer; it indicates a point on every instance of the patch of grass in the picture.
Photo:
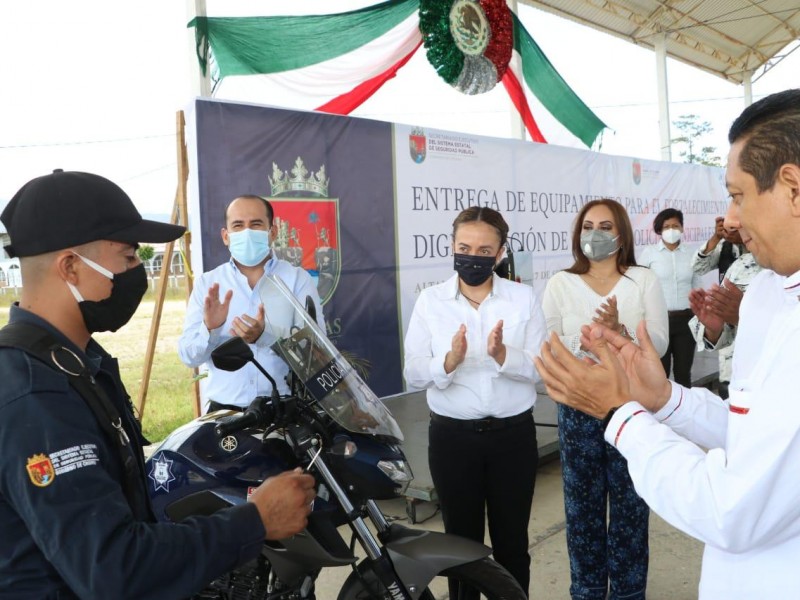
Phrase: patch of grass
(170, 395)
(7, 297)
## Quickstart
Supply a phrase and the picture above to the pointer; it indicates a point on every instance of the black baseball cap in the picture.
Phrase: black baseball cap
(70, 208)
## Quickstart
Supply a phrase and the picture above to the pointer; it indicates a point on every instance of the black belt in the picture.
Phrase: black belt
(481, 425)
(686, 312)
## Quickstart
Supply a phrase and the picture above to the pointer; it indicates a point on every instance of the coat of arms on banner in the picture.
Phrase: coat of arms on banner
(417, 144)
(308, 224)
(636, 170)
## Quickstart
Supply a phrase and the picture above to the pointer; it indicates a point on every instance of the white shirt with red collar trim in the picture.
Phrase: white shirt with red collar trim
(742, 496)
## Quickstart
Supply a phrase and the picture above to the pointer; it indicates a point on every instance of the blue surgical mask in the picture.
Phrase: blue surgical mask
(249, 246)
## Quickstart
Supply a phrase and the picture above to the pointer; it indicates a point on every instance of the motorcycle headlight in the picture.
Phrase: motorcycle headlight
(398, 471)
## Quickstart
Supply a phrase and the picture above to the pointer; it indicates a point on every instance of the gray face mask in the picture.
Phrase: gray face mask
(598, 245)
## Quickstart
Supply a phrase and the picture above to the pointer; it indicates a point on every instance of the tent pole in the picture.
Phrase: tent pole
(747, 82)
(663, 96)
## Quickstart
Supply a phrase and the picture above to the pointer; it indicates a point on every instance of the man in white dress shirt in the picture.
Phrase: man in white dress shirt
(225, 302)
(725, 472)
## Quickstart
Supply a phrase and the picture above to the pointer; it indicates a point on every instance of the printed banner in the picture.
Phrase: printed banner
(329, 179)
(539, 189)
(367, 208)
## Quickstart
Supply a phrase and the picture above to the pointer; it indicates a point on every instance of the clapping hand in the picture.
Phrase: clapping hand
(458, 350)
(591, 387)
(608, 314)
(641, 362)
(716, 306)
(711, 321)
(249, 328)
(495, 346)
(724, 300)
(215, 312)
(624, 371)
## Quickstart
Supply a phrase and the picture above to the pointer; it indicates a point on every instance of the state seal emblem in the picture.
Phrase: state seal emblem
(417, 145)
(308, 225)
(40, 470)
(636, 172)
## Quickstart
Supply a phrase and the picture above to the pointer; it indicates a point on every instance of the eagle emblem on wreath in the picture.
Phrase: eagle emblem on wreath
(469, 42)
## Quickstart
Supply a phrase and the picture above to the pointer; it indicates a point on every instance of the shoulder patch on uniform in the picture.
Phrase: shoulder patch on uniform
(40, 470)
(43, 468)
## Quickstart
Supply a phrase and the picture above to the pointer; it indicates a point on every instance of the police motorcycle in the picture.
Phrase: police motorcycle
(333, 426)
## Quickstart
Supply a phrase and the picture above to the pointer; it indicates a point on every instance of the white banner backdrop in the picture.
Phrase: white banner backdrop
(539, 189)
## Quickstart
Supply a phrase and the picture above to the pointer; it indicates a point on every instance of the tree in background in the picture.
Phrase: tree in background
(691, 129)
(146, 253)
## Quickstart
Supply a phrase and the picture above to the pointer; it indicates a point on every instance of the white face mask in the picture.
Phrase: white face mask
(671, 236)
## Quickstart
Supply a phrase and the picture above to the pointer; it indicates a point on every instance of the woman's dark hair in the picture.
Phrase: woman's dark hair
(485, 214)
(625, 255)
(667, 213)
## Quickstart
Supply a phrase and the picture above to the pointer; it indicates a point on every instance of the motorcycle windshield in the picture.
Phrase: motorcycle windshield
(327, 375)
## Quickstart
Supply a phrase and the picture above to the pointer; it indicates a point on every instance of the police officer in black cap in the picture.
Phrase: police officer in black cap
(74, 513)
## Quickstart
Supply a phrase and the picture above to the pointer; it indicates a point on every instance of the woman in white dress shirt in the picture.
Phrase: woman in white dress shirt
(671, 261)
(603, 285)
(471, 342)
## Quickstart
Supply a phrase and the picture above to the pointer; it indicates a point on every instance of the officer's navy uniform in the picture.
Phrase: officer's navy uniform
(62, 506)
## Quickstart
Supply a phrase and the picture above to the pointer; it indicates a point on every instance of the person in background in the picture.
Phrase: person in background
(718, 308)
(469, 342)
(225, 302)
(722, 301)
(603, 285)
(720, 251)
(724, 472)
(75, 514)
(671, 261)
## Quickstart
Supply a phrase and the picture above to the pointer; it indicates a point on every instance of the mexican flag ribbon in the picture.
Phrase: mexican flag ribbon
(335, 62)
(555, 96)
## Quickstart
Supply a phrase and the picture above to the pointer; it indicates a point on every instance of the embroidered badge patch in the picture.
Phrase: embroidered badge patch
(161, 473)
(40, 470)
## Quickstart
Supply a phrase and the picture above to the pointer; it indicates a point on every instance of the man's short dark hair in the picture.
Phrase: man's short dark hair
(267, 205)
(771, 130)
(664, 215)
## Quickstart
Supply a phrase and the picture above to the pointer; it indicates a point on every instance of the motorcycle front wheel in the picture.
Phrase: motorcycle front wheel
(485, 575)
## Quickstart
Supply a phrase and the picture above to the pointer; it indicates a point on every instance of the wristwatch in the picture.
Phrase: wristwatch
(607, 419)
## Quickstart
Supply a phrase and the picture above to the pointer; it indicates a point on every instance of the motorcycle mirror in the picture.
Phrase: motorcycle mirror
(232, 354)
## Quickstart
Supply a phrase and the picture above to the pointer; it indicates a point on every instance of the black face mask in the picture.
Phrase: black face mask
(473, 270)
(115, 311)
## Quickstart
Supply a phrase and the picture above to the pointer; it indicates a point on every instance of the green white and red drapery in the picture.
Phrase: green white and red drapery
(334, 62)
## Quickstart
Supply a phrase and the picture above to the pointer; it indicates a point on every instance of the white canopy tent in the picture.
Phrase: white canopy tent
(733, 39)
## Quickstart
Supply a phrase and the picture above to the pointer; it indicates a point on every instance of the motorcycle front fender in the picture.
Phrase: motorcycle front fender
(418, 555)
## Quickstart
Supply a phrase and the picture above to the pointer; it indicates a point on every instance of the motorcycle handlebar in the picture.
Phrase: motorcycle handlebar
(256, 414)
(237, 423)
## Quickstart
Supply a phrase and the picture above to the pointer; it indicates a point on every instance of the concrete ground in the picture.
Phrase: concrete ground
(674, 557)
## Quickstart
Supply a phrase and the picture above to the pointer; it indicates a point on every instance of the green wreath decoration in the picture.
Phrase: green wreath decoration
(468, 42)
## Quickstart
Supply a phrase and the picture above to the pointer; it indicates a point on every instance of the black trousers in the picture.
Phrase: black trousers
(479, 474)
(680, 352)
